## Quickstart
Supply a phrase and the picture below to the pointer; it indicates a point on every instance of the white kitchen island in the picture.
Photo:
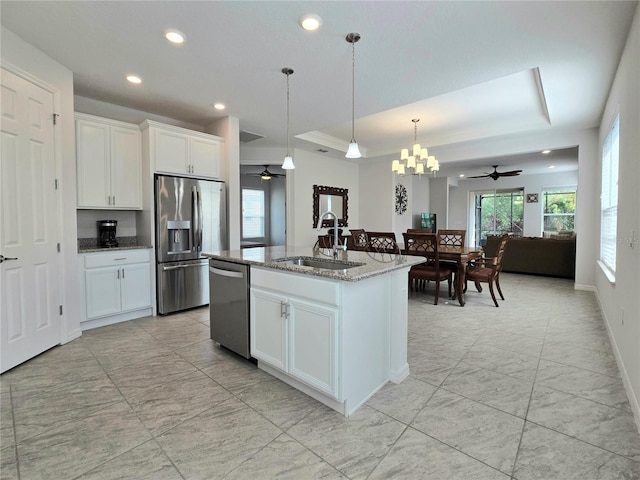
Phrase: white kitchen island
(336, 334)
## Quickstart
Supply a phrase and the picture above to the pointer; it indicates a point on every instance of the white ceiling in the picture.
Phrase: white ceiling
(468, 70)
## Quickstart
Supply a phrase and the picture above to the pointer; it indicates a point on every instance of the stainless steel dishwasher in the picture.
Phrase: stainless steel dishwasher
(229, 305)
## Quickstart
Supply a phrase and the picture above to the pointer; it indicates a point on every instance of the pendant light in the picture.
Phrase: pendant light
(287, 164)
(353, 151)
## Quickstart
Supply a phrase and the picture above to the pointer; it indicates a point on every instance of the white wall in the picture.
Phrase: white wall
(316, 169)
(620, 301)
(229, 129)
(420, 200)
(87, 227)
(125, 114)
(17, 53)
(376, 196)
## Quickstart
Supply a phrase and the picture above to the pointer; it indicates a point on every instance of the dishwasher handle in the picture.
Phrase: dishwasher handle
(226, 273)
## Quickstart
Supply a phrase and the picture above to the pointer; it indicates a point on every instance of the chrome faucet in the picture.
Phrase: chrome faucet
(336, 238)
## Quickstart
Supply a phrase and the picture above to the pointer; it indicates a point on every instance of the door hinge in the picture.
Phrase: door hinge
(56, 183)
(55, 118)
(58, 247)
(60, 309)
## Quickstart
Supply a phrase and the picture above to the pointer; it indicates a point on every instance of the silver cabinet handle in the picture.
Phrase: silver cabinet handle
(123, 273)
(3, 258)
(118, 274)
(226, 273)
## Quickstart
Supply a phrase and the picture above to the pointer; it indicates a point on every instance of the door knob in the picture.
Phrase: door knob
(3, 258)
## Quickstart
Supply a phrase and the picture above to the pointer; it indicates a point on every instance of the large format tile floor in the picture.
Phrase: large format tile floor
(529, 390)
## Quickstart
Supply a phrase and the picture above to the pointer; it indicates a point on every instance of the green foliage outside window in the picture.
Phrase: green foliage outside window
(499, 213)
(559, 210)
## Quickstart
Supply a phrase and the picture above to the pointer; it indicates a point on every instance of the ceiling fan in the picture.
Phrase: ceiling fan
(266, 174)
(496, 174)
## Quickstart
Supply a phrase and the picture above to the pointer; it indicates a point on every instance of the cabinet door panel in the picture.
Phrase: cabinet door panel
(103, 291)
(136, 286)
(268, 329)
(93, 165)
(313, 345)
(204, 157)
(126, 167)
(171, 152)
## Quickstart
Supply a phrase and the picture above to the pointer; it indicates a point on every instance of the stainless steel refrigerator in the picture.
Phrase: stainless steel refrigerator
(190, 220)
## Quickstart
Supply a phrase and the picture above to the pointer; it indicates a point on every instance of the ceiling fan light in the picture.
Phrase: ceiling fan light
(395, 165)
(287, 164)
(353, 151)
(264, 176)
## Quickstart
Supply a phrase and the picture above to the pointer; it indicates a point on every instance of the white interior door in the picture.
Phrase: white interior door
(29, 273)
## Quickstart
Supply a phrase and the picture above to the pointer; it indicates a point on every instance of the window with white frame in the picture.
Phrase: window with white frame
(253, 214)
(558, 210)
(609, 197)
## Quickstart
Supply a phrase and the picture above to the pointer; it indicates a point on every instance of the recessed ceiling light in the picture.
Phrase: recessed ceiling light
(174, 36)
(461, 175)
(134, 79)
(219, 106)
(310, 22)
(546, 152)
(551, 166)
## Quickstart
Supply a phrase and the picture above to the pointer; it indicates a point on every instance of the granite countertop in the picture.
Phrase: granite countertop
(373, 263)
(109, 249)
(89, 245)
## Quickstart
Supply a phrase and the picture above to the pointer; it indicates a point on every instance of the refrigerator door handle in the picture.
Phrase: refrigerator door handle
(199, 224)
(194, 220)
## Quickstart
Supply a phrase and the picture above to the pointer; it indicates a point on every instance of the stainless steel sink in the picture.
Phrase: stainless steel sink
(315, 262)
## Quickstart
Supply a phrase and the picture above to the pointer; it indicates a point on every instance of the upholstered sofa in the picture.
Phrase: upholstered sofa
(554, 257)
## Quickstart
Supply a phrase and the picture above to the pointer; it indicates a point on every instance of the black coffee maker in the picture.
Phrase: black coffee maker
(107, 233)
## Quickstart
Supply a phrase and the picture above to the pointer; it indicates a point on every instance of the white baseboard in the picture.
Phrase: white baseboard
(633, 400)
(586, 288)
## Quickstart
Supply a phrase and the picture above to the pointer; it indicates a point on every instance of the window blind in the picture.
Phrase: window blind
(609, 197)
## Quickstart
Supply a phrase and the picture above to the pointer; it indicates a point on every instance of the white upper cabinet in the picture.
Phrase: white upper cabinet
(109, 163)
(183, 152)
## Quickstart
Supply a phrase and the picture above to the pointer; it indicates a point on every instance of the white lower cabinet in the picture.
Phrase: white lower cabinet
(116, 286)
(337, 341)
(296, 336)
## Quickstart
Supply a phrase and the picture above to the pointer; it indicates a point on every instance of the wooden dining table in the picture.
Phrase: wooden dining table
(460, 255)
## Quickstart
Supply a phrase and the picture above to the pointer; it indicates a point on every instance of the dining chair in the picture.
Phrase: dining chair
(452, 238)
(359, 239)
(419, 230)
(382, 242)
(324, 241)
(487, 270)
(426, 245)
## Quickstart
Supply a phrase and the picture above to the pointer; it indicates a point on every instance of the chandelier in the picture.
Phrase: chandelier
(419, 161)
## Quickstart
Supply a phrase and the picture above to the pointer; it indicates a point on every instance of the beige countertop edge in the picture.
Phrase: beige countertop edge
(374, 263)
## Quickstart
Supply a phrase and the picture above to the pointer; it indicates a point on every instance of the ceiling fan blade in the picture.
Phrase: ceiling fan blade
(480, 176)
(512, 173)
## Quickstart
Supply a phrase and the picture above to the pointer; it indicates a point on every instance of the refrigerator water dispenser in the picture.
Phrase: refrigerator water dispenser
(179, 236)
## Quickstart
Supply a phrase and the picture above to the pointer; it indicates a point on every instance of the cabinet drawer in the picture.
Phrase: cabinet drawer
(120, 257)
(299, 285)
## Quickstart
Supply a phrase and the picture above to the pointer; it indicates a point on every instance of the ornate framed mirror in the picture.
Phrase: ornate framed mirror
(332, 199)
